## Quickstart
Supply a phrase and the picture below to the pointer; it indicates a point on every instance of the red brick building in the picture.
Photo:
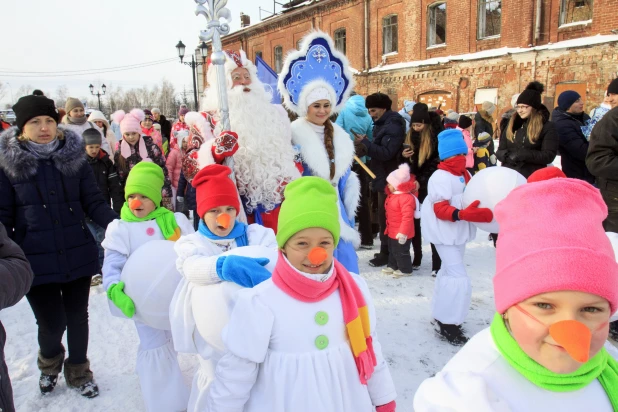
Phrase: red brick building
(455, 53)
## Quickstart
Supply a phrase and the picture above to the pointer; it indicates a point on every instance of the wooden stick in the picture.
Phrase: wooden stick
(364, 166)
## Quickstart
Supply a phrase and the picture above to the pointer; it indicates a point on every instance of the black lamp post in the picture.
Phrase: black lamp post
(194, 63)
(98, 93)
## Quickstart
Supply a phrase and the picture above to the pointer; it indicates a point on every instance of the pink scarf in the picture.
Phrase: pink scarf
(355, 312)
(125, 149)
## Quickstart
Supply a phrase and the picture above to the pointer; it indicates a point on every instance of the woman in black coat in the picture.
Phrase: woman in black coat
(529, 142)
(46, 191)
(15, 280)
(421, 152)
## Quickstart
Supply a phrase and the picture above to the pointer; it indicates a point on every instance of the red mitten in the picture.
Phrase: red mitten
(224, 146)
(444, 210)
(389, 407)
(473, 213)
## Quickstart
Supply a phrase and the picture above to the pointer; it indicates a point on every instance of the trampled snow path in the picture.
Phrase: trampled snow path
(413, 350)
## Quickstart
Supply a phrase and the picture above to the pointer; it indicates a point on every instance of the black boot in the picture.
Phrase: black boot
(80, 377)
(452, 333)
(50, 369)
(380, 260)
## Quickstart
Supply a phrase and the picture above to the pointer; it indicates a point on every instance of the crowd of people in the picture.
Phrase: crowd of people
(79, 196)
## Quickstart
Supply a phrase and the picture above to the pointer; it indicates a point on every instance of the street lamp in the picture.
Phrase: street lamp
(98, 93)
(194, 63)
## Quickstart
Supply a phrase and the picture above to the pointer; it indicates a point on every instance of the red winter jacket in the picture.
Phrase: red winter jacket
(400, 207)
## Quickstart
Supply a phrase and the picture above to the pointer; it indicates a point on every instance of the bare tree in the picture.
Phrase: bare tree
(166, 101)
(24, 89)
(61, 96)
(2, 90)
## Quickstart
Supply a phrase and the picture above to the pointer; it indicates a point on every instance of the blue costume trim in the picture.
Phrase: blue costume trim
(238, 233)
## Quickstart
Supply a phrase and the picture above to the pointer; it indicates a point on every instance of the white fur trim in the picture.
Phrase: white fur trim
(351, 195)
(346, 232)
(204, 154)
(303, 52)
(196, 119)
(314, 154)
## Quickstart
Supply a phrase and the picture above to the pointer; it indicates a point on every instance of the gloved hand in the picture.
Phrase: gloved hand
(224, 146)
(514, 157)
(389, 407)
(180, 199)
(121, 300)
(401, 238)
(473, 213)
(244, 271)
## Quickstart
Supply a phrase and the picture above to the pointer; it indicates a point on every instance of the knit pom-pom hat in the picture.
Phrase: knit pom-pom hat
(129, 122)
(552, 239)
(532, 95)
(399, 175)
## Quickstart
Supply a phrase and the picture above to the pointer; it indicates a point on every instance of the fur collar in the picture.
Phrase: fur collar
(18, 163)
(314, 154)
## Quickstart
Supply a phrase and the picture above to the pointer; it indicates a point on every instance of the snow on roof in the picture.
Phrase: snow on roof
(487, 54)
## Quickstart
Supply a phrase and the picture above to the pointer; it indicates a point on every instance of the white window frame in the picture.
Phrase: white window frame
(340, 36)
(486, 95)
(390, 30)
(278, 58)
(431, 24)
(482, 19)
(564, 11)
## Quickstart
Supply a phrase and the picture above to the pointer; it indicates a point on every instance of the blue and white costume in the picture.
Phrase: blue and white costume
(319, 72)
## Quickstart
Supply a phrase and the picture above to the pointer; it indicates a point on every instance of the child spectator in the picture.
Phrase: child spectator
(109, 185)
(401, 206)
(466, 125)
(447, 224)
(482, 157)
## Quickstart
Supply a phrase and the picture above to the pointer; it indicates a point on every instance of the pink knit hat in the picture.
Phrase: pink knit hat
(399, 175)
(552, 239)
(129, 122)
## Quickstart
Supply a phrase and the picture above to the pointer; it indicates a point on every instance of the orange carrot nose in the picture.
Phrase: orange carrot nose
(317, 255)
(574, 337)
(134, 204)
(224, 220)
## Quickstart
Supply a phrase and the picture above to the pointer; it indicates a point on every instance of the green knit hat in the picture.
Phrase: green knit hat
(309, 202)
(146, 178)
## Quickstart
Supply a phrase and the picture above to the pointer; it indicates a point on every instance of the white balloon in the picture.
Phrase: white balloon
(151, 278)
(213, 304)
(490, 186)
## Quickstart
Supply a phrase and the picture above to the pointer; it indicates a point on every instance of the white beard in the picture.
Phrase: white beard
(264, 162)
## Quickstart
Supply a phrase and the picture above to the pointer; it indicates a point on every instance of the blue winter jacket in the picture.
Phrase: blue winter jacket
(354, 116)
(44, 203)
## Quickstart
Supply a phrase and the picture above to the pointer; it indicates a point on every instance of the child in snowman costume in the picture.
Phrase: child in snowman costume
(447, 225)
(555, 288)
(315, 83)
(202, 267)
(142, 220)
(304, 340)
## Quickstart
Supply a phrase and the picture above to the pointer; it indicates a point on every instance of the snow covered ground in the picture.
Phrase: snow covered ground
(412, 348)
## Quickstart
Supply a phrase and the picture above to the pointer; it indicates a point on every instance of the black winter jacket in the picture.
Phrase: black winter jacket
(107, 179)
(424, 172)
(481, 124)
(166, 126)
(186, 190)
(530, 156)
(44, 203)
(573, 146)
(388, 135)
(15, 280)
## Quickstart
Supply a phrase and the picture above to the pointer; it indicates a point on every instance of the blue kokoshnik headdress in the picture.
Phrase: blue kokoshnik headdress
(317, 65)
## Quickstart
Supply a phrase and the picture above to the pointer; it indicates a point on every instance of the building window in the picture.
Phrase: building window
(258, 54)
(573, 11)
(389, 34)
(436, 25)
(278, 58)
(490, 16)
(340, 40)
(299, 43)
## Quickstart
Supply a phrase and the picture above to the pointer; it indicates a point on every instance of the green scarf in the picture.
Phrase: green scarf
(602, 367)
(165, 220)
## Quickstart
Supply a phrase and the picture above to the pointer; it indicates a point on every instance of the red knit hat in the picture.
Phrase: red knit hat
(552, 239)
(214, 188)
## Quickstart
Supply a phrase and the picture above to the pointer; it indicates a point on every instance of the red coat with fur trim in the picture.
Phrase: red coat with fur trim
(400, 207)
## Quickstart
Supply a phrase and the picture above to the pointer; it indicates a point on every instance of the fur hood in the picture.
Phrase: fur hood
(314, 154)
(18, 163)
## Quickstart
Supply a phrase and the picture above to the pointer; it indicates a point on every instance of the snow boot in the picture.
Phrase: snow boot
(399, 274)
(388, 270)
(50, 369)
(80, 377)
(380, 260)
(613, 330)
(452, 333)
(96, 280)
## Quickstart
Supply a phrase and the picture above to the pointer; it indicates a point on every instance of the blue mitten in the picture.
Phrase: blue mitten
(244, 271)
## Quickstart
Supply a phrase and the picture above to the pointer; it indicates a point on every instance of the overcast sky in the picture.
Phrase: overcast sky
(62, 35)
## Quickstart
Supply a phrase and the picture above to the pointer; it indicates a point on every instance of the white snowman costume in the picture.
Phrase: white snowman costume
(453, 290)
(197, 260)
(286, 355)
(161, 380)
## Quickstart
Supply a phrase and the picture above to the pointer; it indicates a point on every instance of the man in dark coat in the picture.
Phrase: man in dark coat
(389, 132)
(166, 126)
(602, 162)
(568, 118)
(15, 280)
